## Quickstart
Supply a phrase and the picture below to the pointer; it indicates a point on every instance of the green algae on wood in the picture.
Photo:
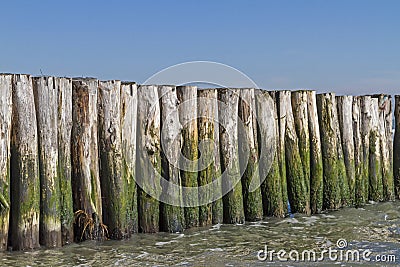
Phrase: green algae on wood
(365, 106)
(128, 141)
(172, 217)
(84, 156)
(316, 163)
(64, 87)
(326, 106)
(396, 147)
(5, 129)
(268, 143)
(187, 96)
(248, 156)
(114, 189)
(46, 101)
(228, 130)
(148, 155)
(25, 182)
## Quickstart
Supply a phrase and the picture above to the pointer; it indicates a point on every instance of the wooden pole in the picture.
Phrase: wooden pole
(365, 106)
(326, 115)
(64, 91)
(217, 205)
(5, 128)
(148, 158)
(359, 188)
(248, 156)
(128, 141)
(46, 101)
(345, 115)
(375, 164)
(385, 124)
(268, 143)
(297, 183)
(316, 164)
(187, 96)
(25, 182)
(113, 179)
(228, 131)
(172, 218)
(396, 147)
(281, 98)
(206, 109)
(85, 162)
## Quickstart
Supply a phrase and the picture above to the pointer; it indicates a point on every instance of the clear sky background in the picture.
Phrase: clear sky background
(347, 46)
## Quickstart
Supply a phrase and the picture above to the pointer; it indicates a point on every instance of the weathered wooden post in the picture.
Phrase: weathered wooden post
(187, 96)
(248, 155)
(46, 102)
(5, 128)
(327, 117)
(128, 141)
(365, 106)
(359, 193)
(316, 164)
(375, 164)
(281, 97)
(300, 115)
(25, 182)
(268, 143)
(85, 162)
(228, 130)
(396, 147)
(345, 115)
(206, 108)
(64, 91)
(148, 156)
(297, 183)
(114, 186)
(385, 124)
(172, 218)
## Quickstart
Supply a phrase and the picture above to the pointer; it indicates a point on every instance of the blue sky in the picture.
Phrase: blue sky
(346, 46)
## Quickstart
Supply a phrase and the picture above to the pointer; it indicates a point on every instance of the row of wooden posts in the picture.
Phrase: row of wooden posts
(73, 151)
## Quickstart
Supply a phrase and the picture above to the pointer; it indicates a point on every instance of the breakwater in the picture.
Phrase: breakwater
(87, 159)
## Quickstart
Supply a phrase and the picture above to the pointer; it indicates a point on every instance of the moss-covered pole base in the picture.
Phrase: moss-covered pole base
(248, 156)
(112, 176)
(172, 217)
(316, 164)
(375, 163)
(85, 162)
(360, 197)
(365, 106)
(206, 109)
(148, 158)
(345, 116)
(268, 142)
(25, 182)
(64, 91)
(187, 96)
(326, 105)
(228, 130)
(46, 101)
(5, 128)
(396, 147)
(128, 141)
